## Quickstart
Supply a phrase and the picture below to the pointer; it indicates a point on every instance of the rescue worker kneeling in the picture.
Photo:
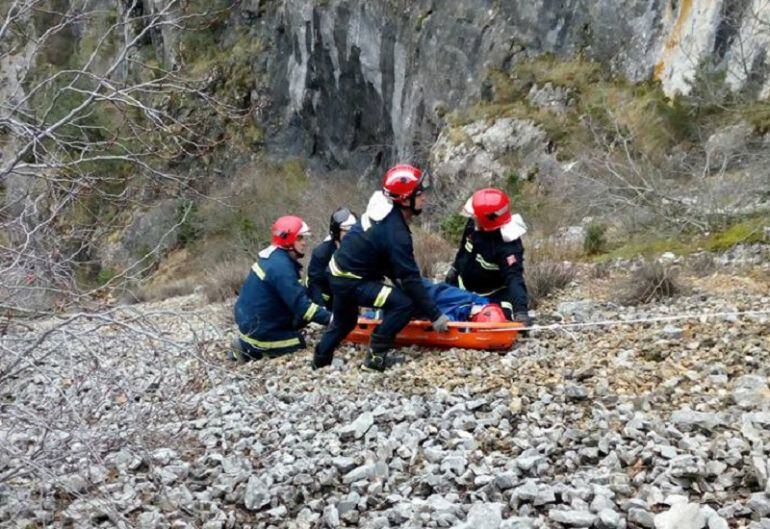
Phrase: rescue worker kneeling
(273, 305)
(490, 261)
(318, 287)
(380, 246)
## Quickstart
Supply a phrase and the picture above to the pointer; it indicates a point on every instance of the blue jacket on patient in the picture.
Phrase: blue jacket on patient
(455, 302)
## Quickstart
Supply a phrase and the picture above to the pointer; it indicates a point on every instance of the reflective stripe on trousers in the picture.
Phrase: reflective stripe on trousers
(269, 344)
(382, 297)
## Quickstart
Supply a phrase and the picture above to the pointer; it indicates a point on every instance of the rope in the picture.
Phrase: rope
(678, 317)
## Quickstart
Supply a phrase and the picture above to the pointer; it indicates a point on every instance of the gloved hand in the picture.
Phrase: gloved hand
(451, 276)
(325, 318)
(523, 318)
(441, 324)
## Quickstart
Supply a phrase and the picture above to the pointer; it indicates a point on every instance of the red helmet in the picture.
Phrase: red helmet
(286, 230)
(491, 208)
(402, 181)
(491, 313)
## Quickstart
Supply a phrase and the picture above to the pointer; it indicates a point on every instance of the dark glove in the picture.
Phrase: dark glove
(523, 318)
(451, 276)
(441, 324)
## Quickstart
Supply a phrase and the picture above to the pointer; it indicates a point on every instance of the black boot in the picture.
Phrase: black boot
(320, 361)
(378, 357)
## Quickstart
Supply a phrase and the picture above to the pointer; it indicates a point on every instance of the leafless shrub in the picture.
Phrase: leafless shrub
(79, 142)
(545, 277)
(547, 268)
(691, 174)
(80, 145)
(652, 281)
(546, 271)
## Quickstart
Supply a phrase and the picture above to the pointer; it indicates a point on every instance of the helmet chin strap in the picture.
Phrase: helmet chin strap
(296, 252)
(410, 205)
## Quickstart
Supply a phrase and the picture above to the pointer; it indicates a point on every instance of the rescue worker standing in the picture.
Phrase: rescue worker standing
(273, 305)
(490, 261)
(380, 246)
(317, 271)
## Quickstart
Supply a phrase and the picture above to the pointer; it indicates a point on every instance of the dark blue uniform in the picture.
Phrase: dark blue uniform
(491, 267)
(318, 274)
(273, 305)
(370, 252)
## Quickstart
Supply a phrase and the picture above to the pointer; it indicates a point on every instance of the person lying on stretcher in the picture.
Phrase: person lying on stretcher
(457, 304)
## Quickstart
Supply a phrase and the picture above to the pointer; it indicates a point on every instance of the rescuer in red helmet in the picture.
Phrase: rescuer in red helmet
(376, 247)
(490, 260)
(273, 305)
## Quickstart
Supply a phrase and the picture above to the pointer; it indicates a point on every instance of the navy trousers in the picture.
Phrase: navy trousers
(350, 294)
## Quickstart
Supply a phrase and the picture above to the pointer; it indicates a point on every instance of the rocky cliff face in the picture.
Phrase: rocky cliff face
(355, 79)
(355, 85)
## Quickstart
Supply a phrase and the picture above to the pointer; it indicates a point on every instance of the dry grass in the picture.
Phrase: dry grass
(170, 289)
(652, 281)
(236, 224)
(217, 279)
(702, 265)
(752, 281)
(433, 254)
(600, 270)
(224, 281)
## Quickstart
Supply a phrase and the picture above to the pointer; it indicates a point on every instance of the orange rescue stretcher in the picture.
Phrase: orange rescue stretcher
(462, 334)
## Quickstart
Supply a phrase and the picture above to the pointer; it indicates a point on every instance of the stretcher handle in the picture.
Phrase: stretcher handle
(502, 326)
